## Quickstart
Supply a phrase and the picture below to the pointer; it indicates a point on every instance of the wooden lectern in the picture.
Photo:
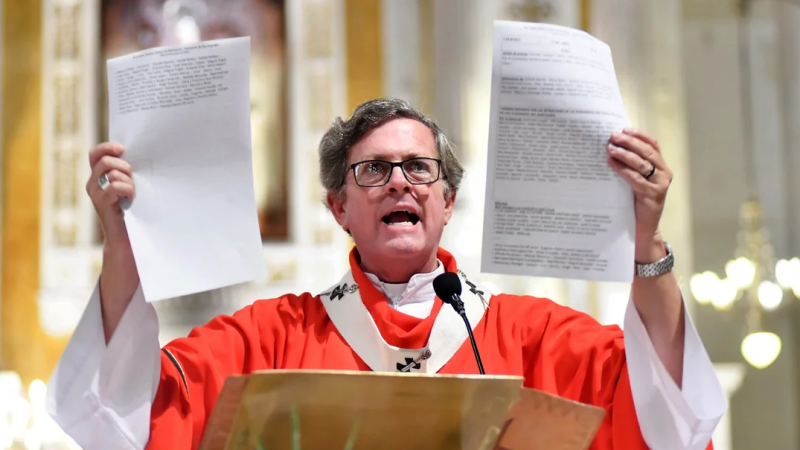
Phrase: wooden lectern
(326, 410)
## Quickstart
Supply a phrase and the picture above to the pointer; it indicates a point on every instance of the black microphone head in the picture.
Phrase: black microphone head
(447, 284)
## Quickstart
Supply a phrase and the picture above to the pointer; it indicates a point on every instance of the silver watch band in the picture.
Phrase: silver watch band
(659, 267)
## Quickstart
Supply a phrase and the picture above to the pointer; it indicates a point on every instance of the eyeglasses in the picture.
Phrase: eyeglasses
(376, 173)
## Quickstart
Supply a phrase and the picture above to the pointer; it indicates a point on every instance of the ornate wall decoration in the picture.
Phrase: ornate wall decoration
(319, 28)
(531, 10)
(320, 104)
(68, 264)
(66, 83)
(322, 55)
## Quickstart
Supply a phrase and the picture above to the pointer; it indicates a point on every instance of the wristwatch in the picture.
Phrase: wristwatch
(659, 267)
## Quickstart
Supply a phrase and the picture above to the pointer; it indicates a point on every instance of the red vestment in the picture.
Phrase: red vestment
(555, 348)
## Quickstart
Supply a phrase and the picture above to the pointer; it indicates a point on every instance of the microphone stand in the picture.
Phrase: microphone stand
(459, 307)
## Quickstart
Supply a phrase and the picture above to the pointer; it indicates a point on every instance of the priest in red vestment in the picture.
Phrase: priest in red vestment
(391, 179)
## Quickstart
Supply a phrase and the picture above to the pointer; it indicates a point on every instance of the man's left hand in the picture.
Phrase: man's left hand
(637, 158)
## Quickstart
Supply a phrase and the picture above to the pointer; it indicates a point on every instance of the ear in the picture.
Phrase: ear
(336, 205)
(449, 203)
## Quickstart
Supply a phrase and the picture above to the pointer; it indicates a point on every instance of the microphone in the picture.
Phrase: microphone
(448, 288)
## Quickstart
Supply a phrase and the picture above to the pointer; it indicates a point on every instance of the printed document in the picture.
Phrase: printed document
(183, 115)
(554, 208)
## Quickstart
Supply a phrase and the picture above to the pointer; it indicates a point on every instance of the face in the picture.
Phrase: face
(399, 220)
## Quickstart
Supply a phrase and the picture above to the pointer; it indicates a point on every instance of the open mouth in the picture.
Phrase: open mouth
(400, 218)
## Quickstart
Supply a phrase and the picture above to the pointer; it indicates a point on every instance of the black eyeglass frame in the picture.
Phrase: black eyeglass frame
(392, 165)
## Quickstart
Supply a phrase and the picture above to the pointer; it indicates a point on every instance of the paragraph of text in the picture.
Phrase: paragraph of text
(524, 221)
(566, 59)
(556, 87)
(540, 146)
(548, 257)
(170, 83)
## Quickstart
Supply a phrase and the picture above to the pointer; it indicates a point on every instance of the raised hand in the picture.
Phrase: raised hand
(637, 158)
(111, 181)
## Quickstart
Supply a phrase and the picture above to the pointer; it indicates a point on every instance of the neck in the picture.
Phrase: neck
(395, 270)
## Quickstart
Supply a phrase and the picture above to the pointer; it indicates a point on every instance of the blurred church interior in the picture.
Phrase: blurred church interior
(717, 81)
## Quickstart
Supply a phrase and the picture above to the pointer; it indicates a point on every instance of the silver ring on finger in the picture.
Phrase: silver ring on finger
(103, 181)
(650, 174)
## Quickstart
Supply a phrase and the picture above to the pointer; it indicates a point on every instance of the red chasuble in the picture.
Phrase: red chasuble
(556, 349)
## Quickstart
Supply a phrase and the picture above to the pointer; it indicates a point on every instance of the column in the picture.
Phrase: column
(766, 156)
(70, 263)
(364, 50)
(788, 18)
(27, 350)
(462, 37)
(449, 50)
(2, 36)
(401, 49)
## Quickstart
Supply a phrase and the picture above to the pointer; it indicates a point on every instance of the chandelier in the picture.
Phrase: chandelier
(24, 422)
(755, 278)
(752, 277)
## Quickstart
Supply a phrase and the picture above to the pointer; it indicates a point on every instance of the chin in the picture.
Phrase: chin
(401, 243)
(407, 247)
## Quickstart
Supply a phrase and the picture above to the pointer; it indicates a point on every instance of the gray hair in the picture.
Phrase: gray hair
(343, 134)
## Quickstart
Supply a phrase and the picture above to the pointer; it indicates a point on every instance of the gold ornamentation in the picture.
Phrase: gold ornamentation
(320, 101)
(67, 133)
(364, 62)
(531, 10)
(67, 32)
(317, 22)
(283, 270)
(323, 236)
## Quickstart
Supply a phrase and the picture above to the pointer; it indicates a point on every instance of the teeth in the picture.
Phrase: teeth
(413, 218)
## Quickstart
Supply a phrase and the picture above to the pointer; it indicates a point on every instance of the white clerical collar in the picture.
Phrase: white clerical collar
(414, 298)
(357, 326)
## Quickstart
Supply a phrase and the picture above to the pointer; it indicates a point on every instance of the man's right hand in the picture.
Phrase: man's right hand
(119, 278)
(105, 159)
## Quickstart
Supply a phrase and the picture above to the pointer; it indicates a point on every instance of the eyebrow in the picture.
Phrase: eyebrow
(384, 156)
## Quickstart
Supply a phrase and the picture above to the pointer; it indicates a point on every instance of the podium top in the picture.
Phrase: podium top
(311, 410)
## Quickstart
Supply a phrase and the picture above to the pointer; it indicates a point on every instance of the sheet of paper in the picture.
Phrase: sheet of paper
(183, 115)
(554, 208)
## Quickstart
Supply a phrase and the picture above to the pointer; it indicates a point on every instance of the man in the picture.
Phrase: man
(391, 179)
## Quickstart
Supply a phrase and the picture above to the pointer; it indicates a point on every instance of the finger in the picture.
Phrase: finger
(108, 163)
(115, 175)
(107, 200)
(117, 190)
(640, 147)
(106, 148)
(630, 159)
(639, 134)
(639, 184)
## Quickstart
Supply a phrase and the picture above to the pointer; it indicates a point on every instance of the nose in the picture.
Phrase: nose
(397, 181)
